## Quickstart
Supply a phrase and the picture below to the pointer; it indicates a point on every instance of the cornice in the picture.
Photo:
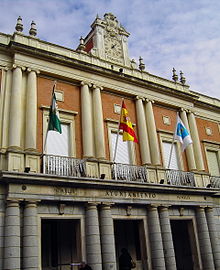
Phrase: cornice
(155, 83)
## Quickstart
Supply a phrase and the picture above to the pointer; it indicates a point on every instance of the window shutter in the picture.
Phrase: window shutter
(174, 164)
(58, 144)
(122, 155)
(213, 163)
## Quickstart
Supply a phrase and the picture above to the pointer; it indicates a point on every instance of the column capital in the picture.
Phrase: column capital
(31, 203)
(164, 207)
(139, 97)
(34, 70)
(96, 86)
(153, 206)
(82, 83)
(92, 204)
(4, 68)
(14, 66)
(106, 204)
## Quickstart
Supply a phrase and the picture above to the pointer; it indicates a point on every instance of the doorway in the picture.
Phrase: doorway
(184, 245)
(130, 234)
(60, 245)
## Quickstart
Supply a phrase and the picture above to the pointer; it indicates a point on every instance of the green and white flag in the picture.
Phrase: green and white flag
(54, 120)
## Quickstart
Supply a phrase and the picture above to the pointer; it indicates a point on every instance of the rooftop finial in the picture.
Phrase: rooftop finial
(81, 46)
(141, 64)
(33, 30)
(175, 76)
(182, 78)
(19, 25)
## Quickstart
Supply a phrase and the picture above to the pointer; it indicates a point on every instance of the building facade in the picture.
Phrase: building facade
(65, 201)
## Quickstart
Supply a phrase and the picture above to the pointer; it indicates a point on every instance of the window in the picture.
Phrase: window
(122, 153)
(213, 163)
(59, 144)
(125, 150)
(174, 163)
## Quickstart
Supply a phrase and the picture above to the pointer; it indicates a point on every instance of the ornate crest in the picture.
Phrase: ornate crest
(111, 24)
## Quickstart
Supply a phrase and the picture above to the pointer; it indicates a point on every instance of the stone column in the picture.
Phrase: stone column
(167, 238)
(142, 132)
(93, 245)
(204, 239)
(6, 109)
(196, 142)
(98, 123)
(107, 238)
(87, 122)
(152, 134)
(31, 111)
(12, 236)
(189, 149)
(15, 109)
(30, 237)
(213, 236)
(157, 253)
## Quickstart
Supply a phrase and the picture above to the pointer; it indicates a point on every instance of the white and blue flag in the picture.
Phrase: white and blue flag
(182, 134)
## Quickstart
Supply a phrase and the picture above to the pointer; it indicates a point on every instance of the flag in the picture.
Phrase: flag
(54, 120)
(182, 134)
(126, 125)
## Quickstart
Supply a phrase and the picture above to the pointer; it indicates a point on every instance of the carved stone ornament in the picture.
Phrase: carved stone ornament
(112, 38)
(111, 25)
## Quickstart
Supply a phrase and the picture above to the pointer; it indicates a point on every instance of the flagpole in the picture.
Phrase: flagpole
(171, 150)
(116, 142)
(45, 140)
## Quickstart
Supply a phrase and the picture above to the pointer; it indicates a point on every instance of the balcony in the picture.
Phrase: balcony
(215, 181)
(66, 166)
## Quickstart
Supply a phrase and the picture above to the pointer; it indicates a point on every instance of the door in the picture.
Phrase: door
(60, 244)
(129, 234)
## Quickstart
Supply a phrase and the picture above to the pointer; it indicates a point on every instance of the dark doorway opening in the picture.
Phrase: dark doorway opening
(60, 245)
(184, 244)
(130, 234)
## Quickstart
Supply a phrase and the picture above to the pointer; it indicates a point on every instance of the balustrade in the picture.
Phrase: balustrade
(63, 166)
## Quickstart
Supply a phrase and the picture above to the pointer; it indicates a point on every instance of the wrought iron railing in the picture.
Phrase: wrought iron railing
(180, 178)
(63, 166)
(215, 181)
(129, 172)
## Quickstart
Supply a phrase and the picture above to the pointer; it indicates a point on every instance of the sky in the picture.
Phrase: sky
(184, 34)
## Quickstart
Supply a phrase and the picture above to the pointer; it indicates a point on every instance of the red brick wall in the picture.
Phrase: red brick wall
(108, 112)
(215, 137)
(159, 112)
(71, 102)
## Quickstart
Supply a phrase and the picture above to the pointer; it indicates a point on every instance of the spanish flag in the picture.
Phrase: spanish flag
(126, 125)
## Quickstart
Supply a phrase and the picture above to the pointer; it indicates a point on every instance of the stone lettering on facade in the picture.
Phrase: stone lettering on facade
(128, 194)
(64, 191)
(183, 197)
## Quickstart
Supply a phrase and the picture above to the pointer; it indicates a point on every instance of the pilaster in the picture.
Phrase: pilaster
(167, 238)
(15, 109)
(204, 239)
(152, 133)
(156, 244)
(31, 111)
(213, 236)
(87, 121)
(196, 142)
(98, 123)
(30, 237)
(107, 238)
(189, 149)
(12, 236)
(93, 245)
(142, 132)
